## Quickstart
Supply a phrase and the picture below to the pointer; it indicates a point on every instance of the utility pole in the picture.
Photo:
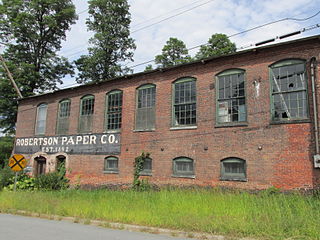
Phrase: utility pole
(10, 77)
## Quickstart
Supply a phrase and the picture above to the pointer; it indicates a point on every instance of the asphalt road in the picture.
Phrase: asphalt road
(14, 227)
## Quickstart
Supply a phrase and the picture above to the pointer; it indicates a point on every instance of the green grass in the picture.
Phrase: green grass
(263, 216)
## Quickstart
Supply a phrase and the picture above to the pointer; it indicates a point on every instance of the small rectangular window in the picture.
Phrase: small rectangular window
(233, 169)
(111, 164)
(183, 167)
(145, 112)
(147, 167)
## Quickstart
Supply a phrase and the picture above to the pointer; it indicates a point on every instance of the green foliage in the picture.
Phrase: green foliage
(6, 175)
(138, 184)
(33, 31)
(24, 182)
(148, 68)
(6, 146)
(218, 44)
(111, 43)
(173, 53)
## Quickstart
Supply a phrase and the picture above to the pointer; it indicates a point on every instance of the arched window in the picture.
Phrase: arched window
(233, 169)
(86, 114)
(63, 117)
(184, 102)
(289, 90)
(147, 167)
(111, 164)
(183, 167)
(230, 100)
(113, 110)
(145, 107)
(40, 127)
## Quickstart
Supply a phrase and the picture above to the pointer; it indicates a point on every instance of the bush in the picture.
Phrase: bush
(24, 182)
(6, 175)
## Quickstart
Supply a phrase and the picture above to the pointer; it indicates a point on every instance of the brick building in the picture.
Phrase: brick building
(245, 120)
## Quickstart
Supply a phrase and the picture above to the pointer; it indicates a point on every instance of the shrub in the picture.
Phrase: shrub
(53, 181)
(5, 177)
(24, 182)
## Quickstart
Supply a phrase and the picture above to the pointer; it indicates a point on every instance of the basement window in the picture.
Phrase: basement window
(111, 165)
(183, 167)
(113, 110)
(40, 127)
(289, 91)
(145, 108)
(147, 167)
(233, 169)
(184, 103)
(231, 107)
(63, 117)
(86, 114)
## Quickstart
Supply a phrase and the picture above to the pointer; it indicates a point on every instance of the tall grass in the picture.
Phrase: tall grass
(264, 216)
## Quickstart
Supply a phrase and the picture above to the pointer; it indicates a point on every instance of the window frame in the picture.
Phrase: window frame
(146, 172)
(105, 164)
(88, 96)
(58, 115)
(183, 174)
(115, 91)
(142, 87)
(228, 72)
(241, 177)
(175, 125)
(283, 63)
(36, 131)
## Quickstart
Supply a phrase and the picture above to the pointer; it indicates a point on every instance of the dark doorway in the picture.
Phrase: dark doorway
(61, 164)
(41, 163)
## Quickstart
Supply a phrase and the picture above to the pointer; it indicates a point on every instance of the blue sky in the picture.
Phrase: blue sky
(196, 22)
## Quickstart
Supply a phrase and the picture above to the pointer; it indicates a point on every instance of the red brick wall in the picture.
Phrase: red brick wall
(285, 157)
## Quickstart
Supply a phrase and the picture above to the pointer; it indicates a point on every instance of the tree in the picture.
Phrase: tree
(32, 32)
(218, 44)
(173, 53)
(148, 68)
(111, 43)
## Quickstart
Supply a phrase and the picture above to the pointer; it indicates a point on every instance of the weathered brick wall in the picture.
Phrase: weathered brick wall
(278, 155)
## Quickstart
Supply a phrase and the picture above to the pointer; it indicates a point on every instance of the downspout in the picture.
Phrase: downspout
(315, 112)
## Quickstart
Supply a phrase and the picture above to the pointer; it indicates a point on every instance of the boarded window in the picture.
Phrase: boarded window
(184, 102)
(63, 117)
(111, 164)
(114, 110)
(86, 114)
(289, 90)
(183, 167)
(233, 169)
(40, 127)
(147, 167)
(231, 105)
(145, 112)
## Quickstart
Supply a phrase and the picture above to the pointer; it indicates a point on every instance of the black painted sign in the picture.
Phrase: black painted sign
(96, 144)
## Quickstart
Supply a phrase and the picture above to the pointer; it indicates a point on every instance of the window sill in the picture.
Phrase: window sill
(111, 172)
(183, 128)
(183, 176)
(112, 131)
(231, 124)
(145, 130)
(145, 173)
(234, 179)
(274, 122)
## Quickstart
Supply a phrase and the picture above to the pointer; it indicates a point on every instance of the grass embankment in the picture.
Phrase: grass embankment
(262, 216)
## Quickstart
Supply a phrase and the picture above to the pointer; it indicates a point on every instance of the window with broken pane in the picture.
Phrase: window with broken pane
(231, 105)
(289, 90)
(63, 117)
(184, 102)
(146, 111)
(114, 110)
(86, 114)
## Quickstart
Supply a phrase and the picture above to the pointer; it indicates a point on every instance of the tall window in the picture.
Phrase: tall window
(184, 102)
(233, 169)
(113, 110)
(183, 167)
(63, 117)
(231, 107)
(86, 114)
(111, 164)
(146, 111)
(289, 90)
(40, 127)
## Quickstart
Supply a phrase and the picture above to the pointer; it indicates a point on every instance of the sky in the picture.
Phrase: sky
(195, 22)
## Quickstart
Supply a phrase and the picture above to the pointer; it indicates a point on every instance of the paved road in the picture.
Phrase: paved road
(14, 227)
